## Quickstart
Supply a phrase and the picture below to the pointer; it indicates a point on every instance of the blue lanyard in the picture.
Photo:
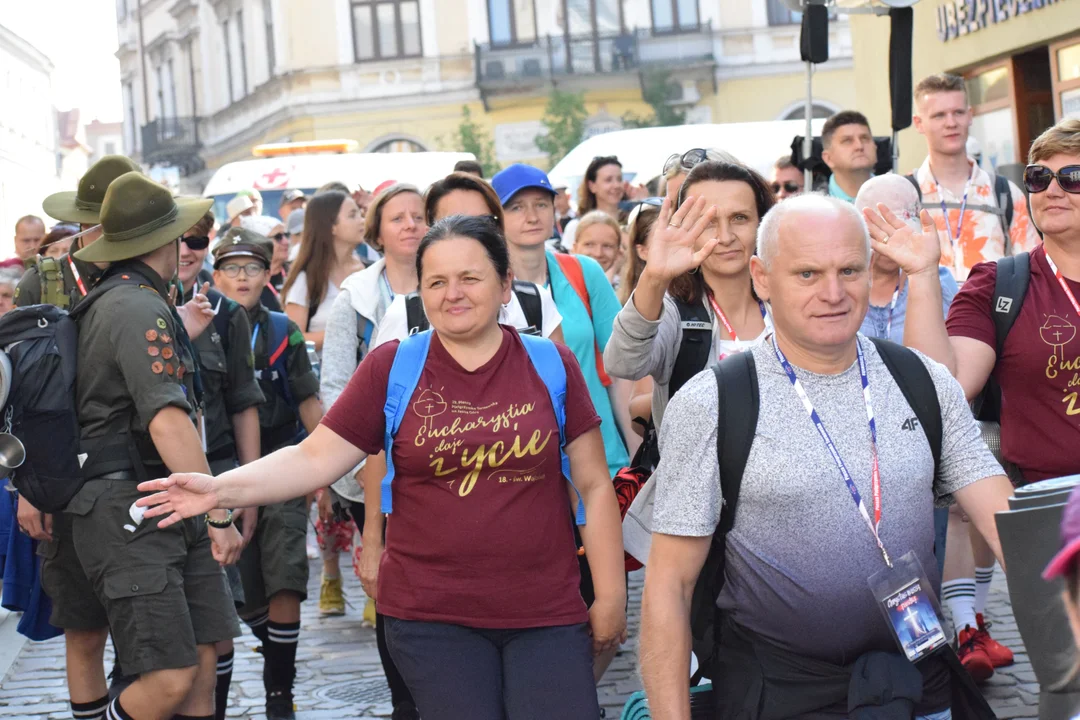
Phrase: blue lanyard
(892, 306)
(386, 286)
(874, 524)
(254, 335)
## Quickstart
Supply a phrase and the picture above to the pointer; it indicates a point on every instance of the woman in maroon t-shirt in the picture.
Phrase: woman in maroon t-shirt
(479, 578)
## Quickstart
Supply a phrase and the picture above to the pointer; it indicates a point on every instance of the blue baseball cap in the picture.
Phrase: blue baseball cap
(518, 177)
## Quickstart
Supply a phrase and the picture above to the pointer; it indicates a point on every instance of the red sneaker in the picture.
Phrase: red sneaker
(973, 656)
(999, 655)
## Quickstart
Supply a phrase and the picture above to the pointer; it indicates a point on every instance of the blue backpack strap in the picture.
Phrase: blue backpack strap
(278, 334)
(549, 365)
(404, 376)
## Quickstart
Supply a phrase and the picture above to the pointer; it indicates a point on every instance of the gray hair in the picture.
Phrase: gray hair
(768, 235)
(10, 276)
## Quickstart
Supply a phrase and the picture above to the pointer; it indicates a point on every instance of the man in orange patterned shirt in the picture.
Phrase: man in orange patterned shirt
(959, 194)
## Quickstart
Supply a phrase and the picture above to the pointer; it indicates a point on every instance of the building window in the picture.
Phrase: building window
(228, 57)
(268, 24)
(160, 77)
(110, 148)
(586, 17)
(396, 145)
(511, 22)
(817, 111)
(130, 129)
(243, 53)
(384, 29)
(121, 10)
(780, 14)
(1065, 78)
(675, 15)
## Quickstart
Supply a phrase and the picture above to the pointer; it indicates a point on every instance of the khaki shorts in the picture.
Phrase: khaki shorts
(163, 591)
(276, 558)
(74, 604)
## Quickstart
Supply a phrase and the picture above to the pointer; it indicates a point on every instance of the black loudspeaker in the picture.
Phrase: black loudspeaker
(814, 42)
(900, 66)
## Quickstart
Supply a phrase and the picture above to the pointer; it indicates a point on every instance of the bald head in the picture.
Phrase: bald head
(894, 192)
(790, 214)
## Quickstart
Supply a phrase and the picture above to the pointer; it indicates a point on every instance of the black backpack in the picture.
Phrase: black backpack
(1010, 288)
(42, 341)
(528, 295)
(737, 416)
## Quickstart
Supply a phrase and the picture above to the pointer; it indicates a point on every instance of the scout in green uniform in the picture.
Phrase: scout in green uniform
(75, 609)
(231, 398)
(274, 564)
(164, 592)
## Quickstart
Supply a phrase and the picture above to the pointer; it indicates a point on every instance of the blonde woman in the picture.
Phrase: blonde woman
(600, 237)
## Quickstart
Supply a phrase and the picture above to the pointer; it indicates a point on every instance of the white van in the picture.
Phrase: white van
(308, 166)
(643, 152)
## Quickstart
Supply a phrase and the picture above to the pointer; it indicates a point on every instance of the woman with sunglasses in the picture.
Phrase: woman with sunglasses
(679, 164)
(601, 189)
(707, 285)
(273, 229)
(1035, 364)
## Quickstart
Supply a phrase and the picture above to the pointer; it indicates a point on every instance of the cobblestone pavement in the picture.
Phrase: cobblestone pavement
(339, 675)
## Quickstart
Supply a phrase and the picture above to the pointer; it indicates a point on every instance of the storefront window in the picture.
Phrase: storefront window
(1070, 104)
(995, 131)
(1068, 61)
(990, 86)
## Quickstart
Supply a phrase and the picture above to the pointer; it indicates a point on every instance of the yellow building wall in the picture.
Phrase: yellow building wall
(310, 35)
(761, 98)
(870, 42)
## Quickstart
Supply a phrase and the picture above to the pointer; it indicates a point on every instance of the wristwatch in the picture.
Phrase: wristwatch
(220, 524)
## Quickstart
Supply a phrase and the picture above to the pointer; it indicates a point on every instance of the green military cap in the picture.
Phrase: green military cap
(241, 242)
(84, 205)
(139, 216)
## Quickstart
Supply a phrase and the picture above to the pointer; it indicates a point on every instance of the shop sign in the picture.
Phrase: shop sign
(956, 18)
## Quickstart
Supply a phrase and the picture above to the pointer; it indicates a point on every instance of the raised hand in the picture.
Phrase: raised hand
(197, 313)
(179, 496)
(914, 252)
(675, 236)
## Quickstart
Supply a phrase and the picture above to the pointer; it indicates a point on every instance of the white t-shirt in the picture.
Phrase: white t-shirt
(298, 295)
(395, 324)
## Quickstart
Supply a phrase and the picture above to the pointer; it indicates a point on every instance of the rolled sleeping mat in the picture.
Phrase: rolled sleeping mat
(1029, 539)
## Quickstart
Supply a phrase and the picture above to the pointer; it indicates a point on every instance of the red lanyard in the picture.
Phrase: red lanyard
(1061, 281)
(723, 318)
(78, 278)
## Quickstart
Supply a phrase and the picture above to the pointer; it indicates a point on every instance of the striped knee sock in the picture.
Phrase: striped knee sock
(280, 654)
(94, 710)
(224, 679)
(116, 712)
(983, 578)
(258, 626)
(959, 597)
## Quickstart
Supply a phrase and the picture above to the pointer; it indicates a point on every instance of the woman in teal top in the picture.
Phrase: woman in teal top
(529, 214)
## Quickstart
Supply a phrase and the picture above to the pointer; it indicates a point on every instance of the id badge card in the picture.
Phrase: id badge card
(910, 607)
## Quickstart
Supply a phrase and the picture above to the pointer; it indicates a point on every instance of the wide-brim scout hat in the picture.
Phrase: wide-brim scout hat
(83, 206)
(139, 216)
(241, 242)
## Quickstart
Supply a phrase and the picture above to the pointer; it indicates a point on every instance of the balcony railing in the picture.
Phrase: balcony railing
(549, 58)
(172, 141)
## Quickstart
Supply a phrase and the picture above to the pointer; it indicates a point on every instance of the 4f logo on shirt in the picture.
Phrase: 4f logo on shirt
(1004, 305)
(910, 424)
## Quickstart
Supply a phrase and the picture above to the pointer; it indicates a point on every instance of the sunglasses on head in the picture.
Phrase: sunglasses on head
(788, 187)
(1037, 178)
(687, 161)
(196, 242)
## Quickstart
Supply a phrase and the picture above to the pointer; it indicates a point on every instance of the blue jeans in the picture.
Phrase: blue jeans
(461, 673)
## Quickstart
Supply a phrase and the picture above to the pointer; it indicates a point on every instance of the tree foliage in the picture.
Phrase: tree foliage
(471, 137)
(657, 90)
(564, 120)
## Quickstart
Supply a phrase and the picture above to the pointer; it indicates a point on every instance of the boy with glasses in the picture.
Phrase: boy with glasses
(274, 566)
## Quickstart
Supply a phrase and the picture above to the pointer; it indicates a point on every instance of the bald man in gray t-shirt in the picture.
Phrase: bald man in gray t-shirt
(800, 553)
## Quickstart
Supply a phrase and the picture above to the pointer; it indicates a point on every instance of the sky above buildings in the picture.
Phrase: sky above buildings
(79, 36)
